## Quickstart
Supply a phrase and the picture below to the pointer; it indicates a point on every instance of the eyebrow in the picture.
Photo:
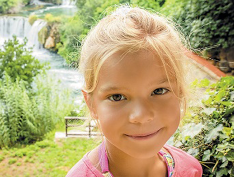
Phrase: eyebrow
(115, 88)
(111, 88)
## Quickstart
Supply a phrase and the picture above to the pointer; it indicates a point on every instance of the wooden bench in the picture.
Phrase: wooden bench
(69, 122)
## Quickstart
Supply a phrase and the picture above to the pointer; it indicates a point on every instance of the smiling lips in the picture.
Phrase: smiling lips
(142, 136)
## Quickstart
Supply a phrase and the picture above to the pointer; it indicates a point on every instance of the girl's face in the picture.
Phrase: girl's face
(135, 104)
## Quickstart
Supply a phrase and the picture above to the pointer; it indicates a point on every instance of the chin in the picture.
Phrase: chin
(144, 153)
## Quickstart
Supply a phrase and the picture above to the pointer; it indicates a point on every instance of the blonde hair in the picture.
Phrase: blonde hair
(130, 30)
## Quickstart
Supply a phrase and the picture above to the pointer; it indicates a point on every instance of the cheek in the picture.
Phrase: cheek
(111, 118)
(171, 111)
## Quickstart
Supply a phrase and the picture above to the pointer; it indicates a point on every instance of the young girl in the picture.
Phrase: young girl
(135, 89)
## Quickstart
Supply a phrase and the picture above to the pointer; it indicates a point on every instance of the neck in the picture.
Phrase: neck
(122, 164)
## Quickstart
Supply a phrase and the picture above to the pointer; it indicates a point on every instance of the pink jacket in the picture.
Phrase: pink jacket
(185, 165)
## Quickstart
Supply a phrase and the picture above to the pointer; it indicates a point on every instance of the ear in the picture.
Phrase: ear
(89, 102)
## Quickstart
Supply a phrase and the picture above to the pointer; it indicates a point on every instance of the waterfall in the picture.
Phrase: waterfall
(68, 2)
(33, 34)
(20, 27)
(37, 2)
(10, 26)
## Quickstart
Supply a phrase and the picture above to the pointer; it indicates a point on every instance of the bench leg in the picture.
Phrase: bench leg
(89, 130)
(66, 126)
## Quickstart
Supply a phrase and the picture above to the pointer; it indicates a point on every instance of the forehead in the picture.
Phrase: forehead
(132, 69)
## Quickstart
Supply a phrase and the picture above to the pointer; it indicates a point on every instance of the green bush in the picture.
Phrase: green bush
(27, 115)
(52, 19)
(12, 161)
(1, 158)
(208, 24)
(6, 5)
(32, 19)
(17, 62)
(211, 140)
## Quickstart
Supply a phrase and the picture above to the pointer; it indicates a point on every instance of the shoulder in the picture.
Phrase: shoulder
(84, 168)
(185, 164)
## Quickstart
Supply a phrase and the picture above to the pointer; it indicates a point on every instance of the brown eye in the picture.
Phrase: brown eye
(160, 91)
(117, 97)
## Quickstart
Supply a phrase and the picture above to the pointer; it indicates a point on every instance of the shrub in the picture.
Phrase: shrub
(11, 161)
(209, 24)
(32, 19)
(212, 140)
(26, 116)
(17, 62)
(5, 5)
(52, 19)
(1, 158)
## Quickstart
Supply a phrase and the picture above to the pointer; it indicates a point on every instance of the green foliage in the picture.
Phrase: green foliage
(172, 7)
(27, 115)
(149, 5)
(12, 161)
(52, 19)
(71, 34)
(32, 19)
(212, 140)
(17, 62)
(1, 158)
(7, 5)
(209, 24)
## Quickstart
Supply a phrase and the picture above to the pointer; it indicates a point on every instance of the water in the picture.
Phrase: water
(19, 26)
(10, 26)
(67, 8)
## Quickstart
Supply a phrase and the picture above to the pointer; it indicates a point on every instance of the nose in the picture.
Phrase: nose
(142, 111)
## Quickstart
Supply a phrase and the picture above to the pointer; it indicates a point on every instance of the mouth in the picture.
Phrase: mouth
(143, 136)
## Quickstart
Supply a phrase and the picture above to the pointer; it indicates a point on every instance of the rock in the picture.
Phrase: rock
(49, 43)
(42, 35)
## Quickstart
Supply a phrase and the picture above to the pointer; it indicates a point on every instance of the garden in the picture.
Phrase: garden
(35, 96)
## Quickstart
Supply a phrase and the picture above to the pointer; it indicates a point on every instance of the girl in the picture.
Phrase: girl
(134, 88)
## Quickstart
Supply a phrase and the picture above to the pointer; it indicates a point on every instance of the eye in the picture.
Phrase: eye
(160, 91)
(116, 97)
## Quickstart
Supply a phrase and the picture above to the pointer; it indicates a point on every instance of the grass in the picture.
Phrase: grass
(45, 158)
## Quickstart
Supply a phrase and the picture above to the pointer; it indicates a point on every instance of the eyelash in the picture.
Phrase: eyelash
(164, 91)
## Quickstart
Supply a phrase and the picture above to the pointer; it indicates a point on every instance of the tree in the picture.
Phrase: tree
(17, 62)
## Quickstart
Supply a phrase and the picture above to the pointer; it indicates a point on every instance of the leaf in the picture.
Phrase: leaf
(206, 155)
(227, 130)
(226, 103)
(232, 94)
(193, 152)
(230, 155)
(223, 171)
(228, 112)
(220, 95)
(213, 133)
(208, 111)
(192, 129)
(204, 83)
(224, 164)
